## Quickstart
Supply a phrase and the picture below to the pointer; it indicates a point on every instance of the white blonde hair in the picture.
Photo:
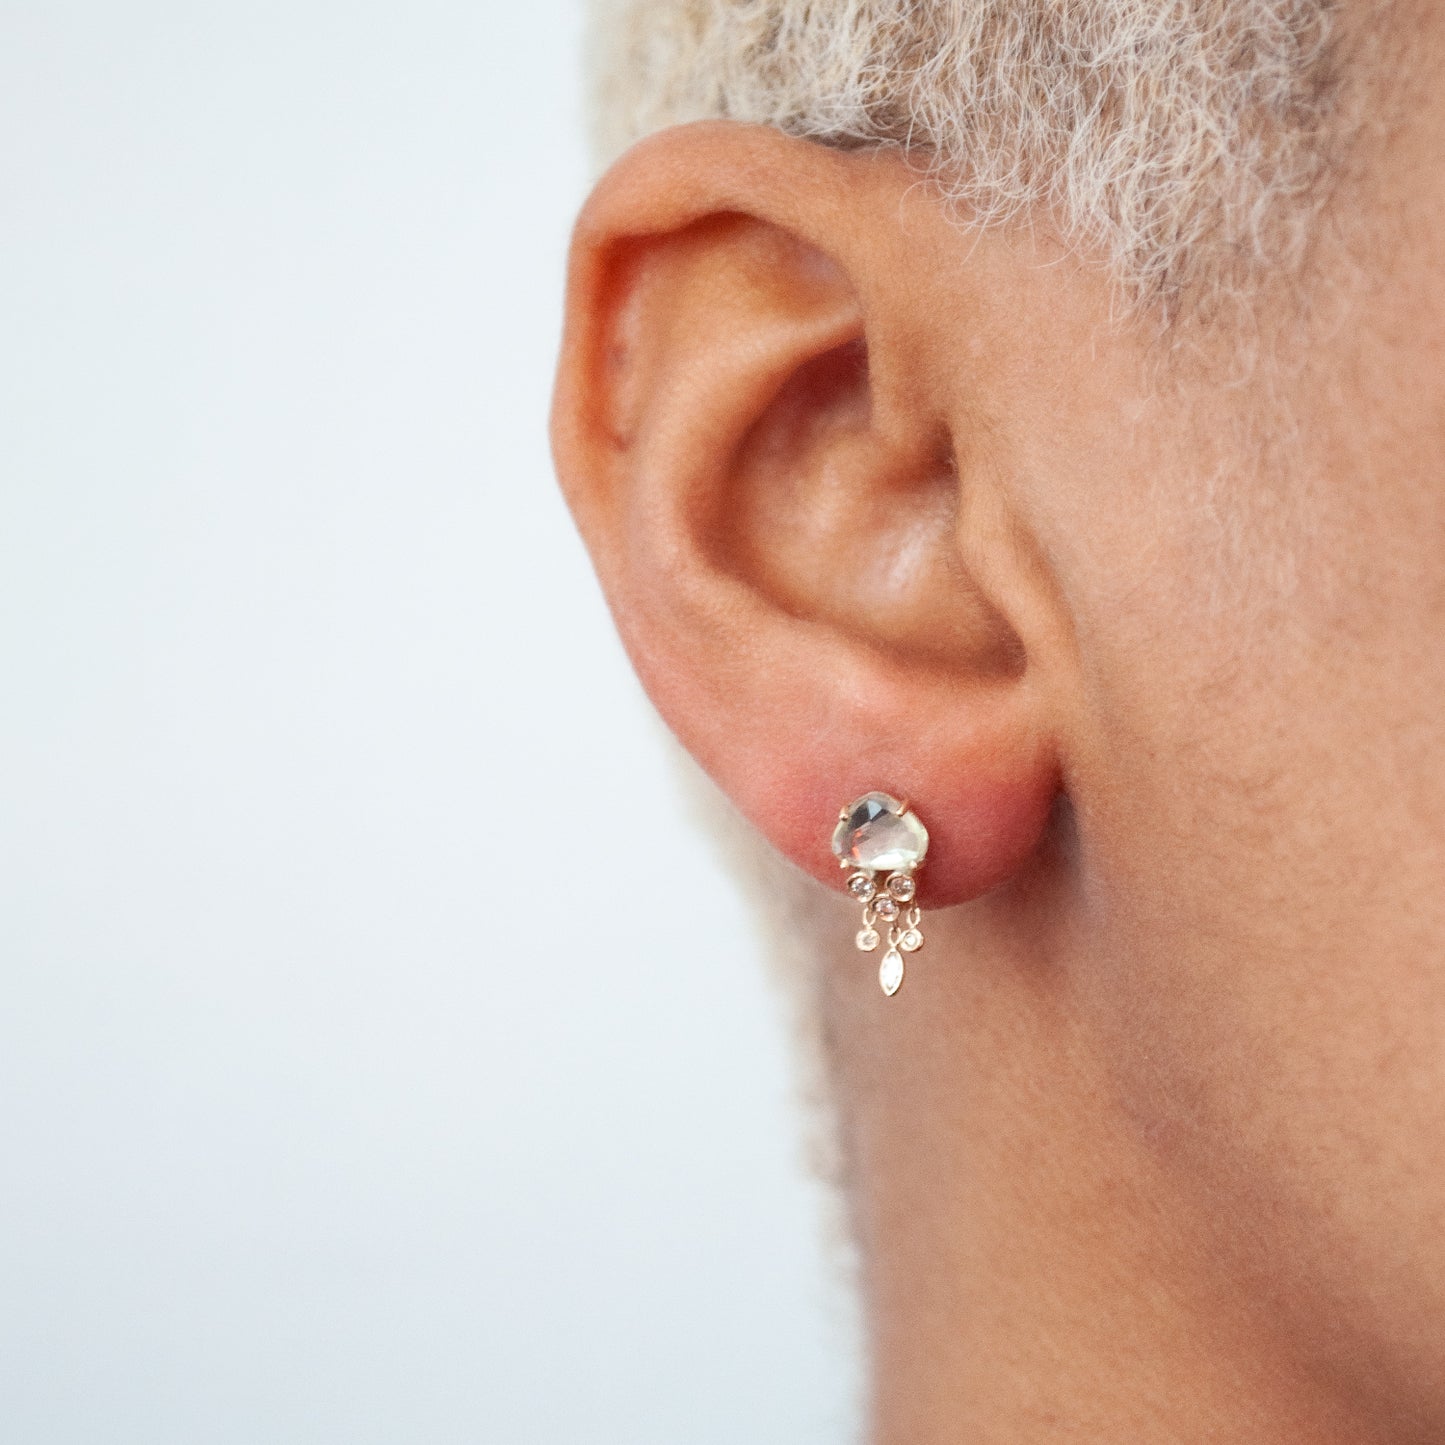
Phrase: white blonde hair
(1183, 142)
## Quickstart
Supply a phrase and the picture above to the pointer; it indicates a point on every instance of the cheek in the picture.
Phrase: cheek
(1266, 936)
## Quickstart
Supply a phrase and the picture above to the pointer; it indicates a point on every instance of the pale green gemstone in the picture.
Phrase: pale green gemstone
(877, 834)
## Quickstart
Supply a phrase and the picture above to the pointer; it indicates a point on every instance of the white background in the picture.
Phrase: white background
(353, 1087)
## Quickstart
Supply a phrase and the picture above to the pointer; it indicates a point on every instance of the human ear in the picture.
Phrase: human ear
(794, 520)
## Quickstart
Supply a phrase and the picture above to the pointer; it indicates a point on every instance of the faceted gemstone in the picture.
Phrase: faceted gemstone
(885, 908)
(902, 887)
(911, 940)
(875, 832)
(890, 972)
(862, 887)
(867, 939)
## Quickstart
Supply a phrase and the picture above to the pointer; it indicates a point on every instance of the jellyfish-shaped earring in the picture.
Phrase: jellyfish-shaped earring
(878, 835)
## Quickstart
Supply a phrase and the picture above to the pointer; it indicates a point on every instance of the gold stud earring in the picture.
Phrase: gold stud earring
(877, 834)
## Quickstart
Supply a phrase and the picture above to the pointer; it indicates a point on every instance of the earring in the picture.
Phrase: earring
(878, 834)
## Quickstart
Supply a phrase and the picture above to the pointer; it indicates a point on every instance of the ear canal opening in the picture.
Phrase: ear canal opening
(824, 518)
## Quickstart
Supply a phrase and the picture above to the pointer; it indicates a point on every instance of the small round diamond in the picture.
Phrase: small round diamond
(867, 939)
(886, 908)
(902, 887)
(862, 887)
(911, 941)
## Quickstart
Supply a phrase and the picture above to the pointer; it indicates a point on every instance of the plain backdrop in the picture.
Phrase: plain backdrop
(383, 1056)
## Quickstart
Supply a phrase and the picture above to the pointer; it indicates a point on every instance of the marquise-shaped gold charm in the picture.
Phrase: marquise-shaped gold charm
(890, 972)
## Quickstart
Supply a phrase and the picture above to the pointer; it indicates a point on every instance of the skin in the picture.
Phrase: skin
(1151, 1144)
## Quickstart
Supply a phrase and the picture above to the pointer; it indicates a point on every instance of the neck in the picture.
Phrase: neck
(1034, 1268)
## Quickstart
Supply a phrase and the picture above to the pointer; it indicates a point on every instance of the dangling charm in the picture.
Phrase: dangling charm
(879, 835)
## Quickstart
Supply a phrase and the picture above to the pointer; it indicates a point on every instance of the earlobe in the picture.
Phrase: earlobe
(751, 432)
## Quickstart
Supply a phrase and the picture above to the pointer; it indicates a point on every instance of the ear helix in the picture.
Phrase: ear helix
(878, 834)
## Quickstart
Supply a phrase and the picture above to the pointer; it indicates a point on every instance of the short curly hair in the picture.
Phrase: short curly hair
(1185, 143)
